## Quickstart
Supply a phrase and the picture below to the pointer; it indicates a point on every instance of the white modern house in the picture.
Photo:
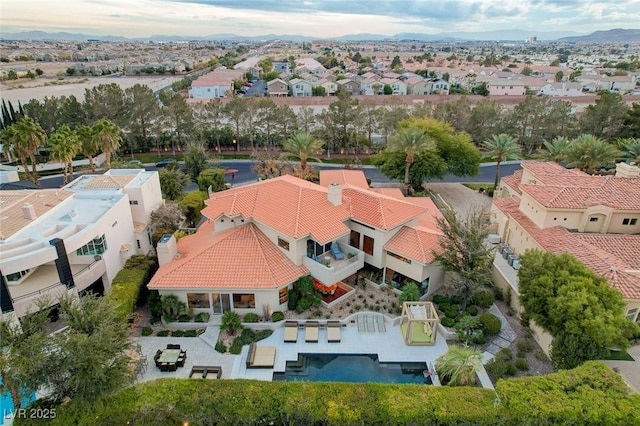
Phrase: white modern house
(72, 239)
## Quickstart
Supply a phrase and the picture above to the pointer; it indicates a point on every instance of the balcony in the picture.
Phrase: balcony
(44, 282)
(328, 270)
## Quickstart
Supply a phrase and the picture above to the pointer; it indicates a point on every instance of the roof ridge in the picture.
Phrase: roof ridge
(258, 238)
(297, 224)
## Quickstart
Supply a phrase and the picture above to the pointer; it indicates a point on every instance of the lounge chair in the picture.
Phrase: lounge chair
(261, 356)
(198, 372)
(213, 373)
(291, 331)
(311, 331)
(335, 249)
(334, 331)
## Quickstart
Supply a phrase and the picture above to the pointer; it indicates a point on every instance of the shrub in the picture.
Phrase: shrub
(498, 293)
(451, 311)
(251, 317)
(479, 338)
(484, 299)
(231, 322)
(190, 333)
(524, 347)
(221, 347)
(455, 300)
(521, 364)
(147, 331)
(472, 310)
(439, 299)
(125, 289)
(292, 303)
(155, 306)
(448, 322)
(177, 333)
(410, 293)
(500, 368)
(202, 317)
(491, 324)
(184, 318)
(235, 348)
(162, 333)
(277, 316)
(505, 354)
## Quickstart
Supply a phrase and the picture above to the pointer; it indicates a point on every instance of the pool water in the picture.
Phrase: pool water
(352, 368)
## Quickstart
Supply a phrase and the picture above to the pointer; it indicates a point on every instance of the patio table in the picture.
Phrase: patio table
(169, 356)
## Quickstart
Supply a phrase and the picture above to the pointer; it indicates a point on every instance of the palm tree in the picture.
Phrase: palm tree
(586, 152)
(501, 148)
(302, 146)
(88, 144)
(25, 136)
(459, 365)
(411, 142)
(631, 150)
(556, 150)
(64, 144)
(107, 137)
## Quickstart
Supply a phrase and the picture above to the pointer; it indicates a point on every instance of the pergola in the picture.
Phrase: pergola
(419, 323)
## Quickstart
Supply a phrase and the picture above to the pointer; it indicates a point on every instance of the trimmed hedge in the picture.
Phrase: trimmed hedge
(589, 395)
(129, 284)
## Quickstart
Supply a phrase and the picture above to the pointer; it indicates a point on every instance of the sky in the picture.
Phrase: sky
(316, 18)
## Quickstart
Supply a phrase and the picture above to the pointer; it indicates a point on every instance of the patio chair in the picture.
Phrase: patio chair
(164, 366)
(291, 331)
(198, 372)
(180, 362)
(334, 331)
(311, 331)
(172, 366)
(335, 249)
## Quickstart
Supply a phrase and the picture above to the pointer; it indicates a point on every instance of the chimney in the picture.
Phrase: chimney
(28, 212)
(625, 170)
(334, 194)
(167, 249)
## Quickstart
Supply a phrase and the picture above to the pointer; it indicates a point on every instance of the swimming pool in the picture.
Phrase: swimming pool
(352, 368)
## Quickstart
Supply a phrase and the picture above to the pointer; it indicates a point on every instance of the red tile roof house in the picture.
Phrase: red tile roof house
(594, 218)
(260, 238)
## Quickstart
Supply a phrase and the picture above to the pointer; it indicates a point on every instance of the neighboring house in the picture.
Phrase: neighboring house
(561, 89)
(75, 238)
(398, 87)
(277, 88)
(282, 67)
(330, 87)
(617, 83)
(438, 86)
(594, 218)
(371, 86)
(217, 84)
(260, 238)
(505, 87)
(349, 85)
(417, 86)
(299, 88)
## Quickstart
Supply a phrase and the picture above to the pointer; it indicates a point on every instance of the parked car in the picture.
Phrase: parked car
(165, 161)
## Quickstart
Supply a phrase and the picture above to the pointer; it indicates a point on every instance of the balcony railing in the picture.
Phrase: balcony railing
(328, 270)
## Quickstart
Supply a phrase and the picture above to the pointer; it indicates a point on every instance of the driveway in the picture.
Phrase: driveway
(460, 198)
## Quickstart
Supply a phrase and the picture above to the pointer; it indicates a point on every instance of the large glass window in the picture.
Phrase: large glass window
(198, 300)
(244, 300)
(96, 246)
(17, 276)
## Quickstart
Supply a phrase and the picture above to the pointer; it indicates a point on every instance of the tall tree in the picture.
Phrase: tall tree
(464, 252)
(370, 116)
(485, 119)
(575, 305)
(107, 137)
(88, 144)
(172, 181)
(143, 113)
(302, 146)
(455, 113)
(501, 148)
(178, 117)
(214, 114)
(25, 136)
(64, 145)
(105, 102)
(266, 117)
(286, 122)
(605, 118)
(196, 160)
(306, 119)
(586, 152)
(410, 142)
(344, 114)
(630, 150)
(555, 150)
(234, 112)
(631, 123)
(528, 120)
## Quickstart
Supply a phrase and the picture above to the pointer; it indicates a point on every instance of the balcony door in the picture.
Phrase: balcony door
(221, 303)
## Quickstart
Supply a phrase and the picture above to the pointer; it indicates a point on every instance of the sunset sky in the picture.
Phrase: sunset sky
(317, 18)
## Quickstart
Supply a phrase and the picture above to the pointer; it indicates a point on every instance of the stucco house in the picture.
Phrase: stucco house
(330, 86)
(505, 87)
(417, 86)
(277, 87)
(217, 84)
(260, 238)
(73, 239)
(561, 89)
(299, 88)
(594, 218)
(399, 87)
(349, 85)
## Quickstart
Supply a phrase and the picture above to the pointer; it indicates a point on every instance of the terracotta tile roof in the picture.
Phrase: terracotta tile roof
(239, 258)
(416, 243)
(109, 181)
(391, 192)
(550, 173)
(428, 219)
(378, 210)
(617, 193)
(513, 180)
(12, 218)
(293, 206)
(601, 253)
(343, 177)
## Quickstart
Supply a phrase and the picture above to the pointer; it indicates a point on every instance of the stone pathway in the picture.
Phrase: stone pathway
(504, 339)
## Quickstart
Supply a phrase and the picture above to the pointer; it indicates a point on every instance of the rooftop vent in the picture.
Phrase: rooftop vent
(29, 212)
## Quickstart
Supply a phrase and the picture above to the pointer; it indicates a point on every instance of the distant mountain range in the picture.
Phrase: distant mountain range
(610, 36)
